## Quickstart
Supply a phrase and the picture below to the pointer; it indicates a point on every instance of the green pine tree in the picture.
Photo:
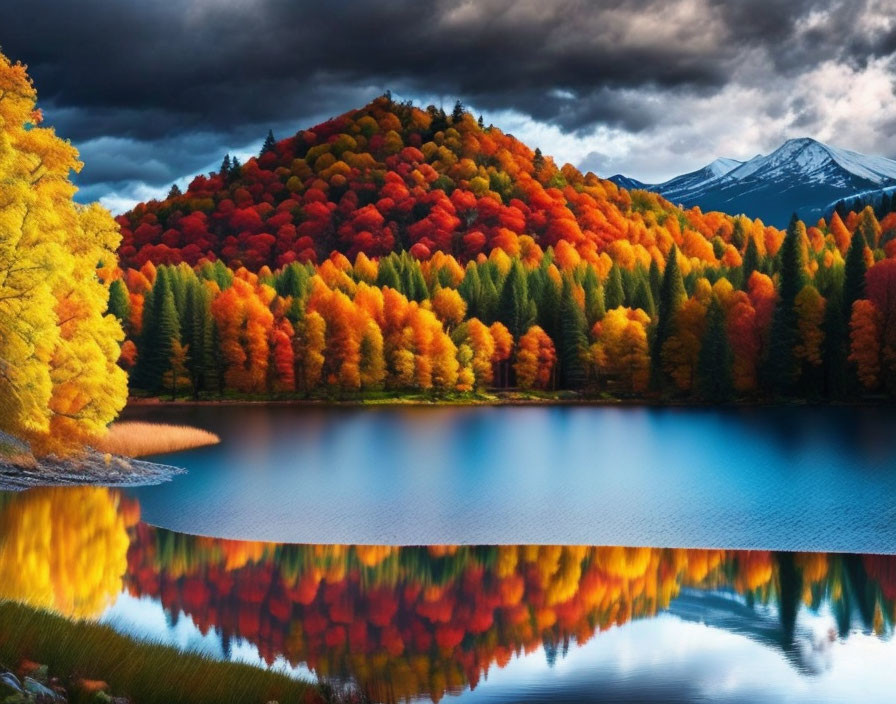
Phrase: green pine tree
(714, 359)
(614, 294)
(573, 340)
(643, 298)
(269, 143)
(750, 263)
(672, 295)
(120, 303)
(782, 367)
(594, 297)
(854, 271)
(515, 309)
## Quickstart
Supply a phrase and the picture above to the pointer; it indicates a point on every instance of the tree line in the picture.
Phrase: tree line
(806, 320)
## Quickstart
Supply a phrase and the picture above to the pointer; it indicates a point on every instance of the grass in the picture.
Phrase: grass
(137, 439)
(147, 673)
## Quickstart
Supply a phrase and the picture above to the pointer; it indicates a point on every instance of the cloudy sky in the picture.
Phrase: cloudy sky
(153, 92)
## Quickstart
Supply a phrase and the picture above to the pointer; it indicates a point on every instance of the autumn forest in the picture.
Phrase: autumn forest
(396, 250)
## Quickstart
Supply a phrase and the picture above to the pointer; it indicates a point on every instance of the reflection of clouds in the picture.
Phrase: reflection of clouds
(144, 618)
(669, 660)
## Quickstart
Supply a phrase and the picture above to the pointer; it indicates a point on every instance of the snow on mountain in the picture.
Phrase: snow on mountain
(802, 176)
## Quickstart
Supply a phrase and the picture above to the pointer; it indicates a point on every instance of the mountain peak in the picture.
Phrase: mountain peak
(802, 174)
(723, 165)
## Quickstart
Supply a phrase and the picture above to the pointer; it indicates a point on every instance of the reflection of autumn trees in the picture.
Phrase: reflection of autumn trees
(400, 621)
(65, 549)
(425, 621)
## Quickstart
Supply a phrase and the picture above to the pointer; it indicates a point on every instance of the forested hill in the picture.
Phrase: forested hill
(393, 177)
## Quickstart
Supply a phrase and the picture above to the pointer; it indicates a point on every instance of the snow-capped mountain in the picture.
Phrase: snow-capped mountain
(802, 176)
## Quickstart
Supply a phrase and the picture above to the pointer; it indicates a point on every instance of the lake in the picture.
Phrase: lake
(806, 478)
(413, 553)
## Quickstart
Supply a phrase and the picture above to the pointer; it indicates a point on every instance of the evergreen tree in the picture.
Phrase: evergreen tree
(120, 303)
(292, 281)
(834, 347)
(750, 263)
(212, 362)
(481, 123)
(225, 166)
(782, 366)
(174, 191)
(387, 274)
(594, 297)
(269, 143)
(614, 294)
(538, 161)
(573, 342)
(643, 299)
(656, 280)
(739, 234)
(714, 359)
(490, 298)
(672, 295)
(236, 170)
(515, 309)
(470, 289)
(458, 113)
(854, 273)
(157, 349)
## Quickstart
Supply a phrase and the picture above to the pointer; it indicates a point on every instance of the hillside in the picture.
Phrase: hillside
(802, 176)
(392, 177)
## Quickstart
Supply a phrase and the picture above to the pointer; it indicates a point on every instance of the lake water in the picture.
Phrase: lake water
(770, 478)
(411, 554)
(509, 623)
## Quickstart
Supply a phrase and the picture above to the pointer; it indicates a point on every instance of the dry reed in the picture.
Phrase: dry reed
(137, 439)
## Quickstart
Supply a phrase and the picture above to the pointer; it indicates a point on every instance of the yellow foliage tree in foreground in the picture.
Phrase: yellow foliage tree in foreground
(59, 382)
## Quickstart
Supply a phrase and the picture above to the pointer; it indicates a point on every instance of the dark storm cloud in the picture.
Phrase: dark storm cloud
(161, 73)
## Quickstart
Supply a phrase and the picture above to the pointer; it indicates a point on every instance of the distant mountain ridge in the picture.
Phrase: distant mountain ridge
(803, 176)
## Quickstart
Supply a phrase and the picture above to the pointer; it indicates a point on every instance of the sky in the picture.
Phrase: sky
(155, 92)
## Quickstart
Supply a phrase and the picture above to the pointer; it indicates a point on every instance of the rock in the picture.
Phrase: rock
(41, 693)
(9, 684)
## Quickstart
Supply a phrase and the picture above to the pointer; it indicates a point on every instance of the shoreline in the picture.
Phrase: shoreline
(501, 399)
(92, 468)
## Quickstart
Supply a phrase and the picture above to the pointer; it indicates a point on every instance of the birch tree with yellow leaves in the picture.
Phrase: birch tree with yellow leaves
(59, 381)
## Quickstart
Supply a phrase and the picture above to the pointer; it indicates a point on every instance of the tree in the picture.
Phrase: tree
(515, 309)
(620, 349)
(458, 113)
(751, 261)
(714, 362)
(535, 359)
(782, 368)
(854, 272)
(614, 295)
(672, 295)
(573, 343)
(864, 334)
(59, 378)
(176, 376)
(119, 302)
(269, 144)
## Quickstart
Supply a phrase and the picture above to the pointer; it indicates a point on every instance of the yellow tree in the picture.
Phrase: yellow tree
(59, 380)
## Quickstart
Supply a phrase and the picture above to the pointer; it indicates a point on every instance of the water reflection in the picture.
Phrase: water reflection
(408, 622)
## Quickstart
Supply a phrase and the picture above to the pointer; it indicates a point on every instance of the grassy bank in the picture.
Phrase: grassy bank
(144, 672)
(136, 439)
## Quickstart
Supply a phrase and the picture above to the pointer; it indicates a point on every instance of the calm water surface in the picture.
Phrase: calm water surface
(772, 478)
(505, 623)
(311, 562)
